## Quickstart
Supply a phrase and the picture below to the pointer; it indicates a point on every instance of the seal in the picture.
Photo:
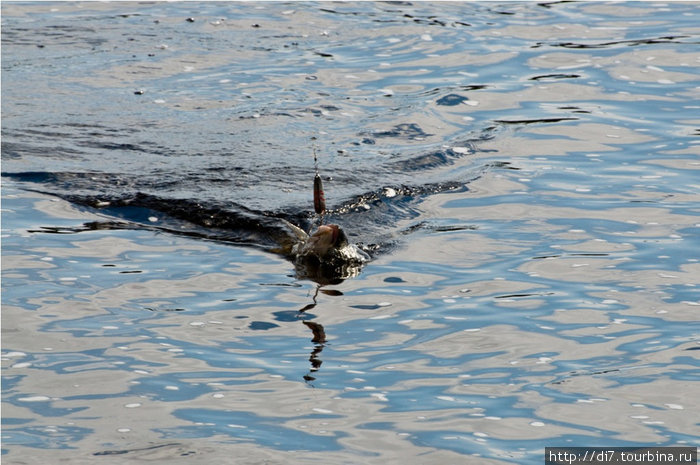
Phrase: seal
(326, 253)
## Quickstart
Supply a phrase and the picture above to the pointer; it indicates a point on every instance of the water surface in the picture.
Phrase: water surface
(524, 175)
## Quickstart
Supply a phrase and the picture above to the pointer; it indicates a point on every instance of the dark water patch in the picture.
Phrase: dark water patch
(549, 5)
(19, 151)
(367, 307)
(323, 54)
(454, 228)
(535, 121)
(139, 449)
(624, 43)
(430, 226)
(592, 372)
(575, 109)
(554, 77)
(427, 161)
(474, 87)
(281, 284)
(53, 35)
(331, 292)
(288, 316)
(59, 230)
(451, 100)
(262, 325)
(152, 309)
(409, 131)
(429, 21)
(522, 295)
(452, 96)
(350, 13)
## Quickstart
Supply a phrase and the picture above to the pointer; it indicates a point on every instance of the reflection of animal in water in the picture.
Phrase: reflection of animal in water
(319, 341)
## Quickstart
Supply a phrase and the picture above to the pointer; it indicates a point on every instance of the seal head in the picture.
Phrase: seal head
(328, 254)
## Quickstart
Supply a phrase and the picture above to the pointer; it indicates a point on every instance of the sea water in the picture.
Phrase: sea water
(525, 177)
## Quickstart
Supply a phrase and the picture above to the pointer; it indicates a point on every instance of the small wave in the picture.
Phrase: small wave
(617, 43)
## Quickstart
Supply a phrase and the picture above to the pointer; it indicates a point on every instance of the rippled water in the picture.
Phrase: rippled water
(525, 176)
